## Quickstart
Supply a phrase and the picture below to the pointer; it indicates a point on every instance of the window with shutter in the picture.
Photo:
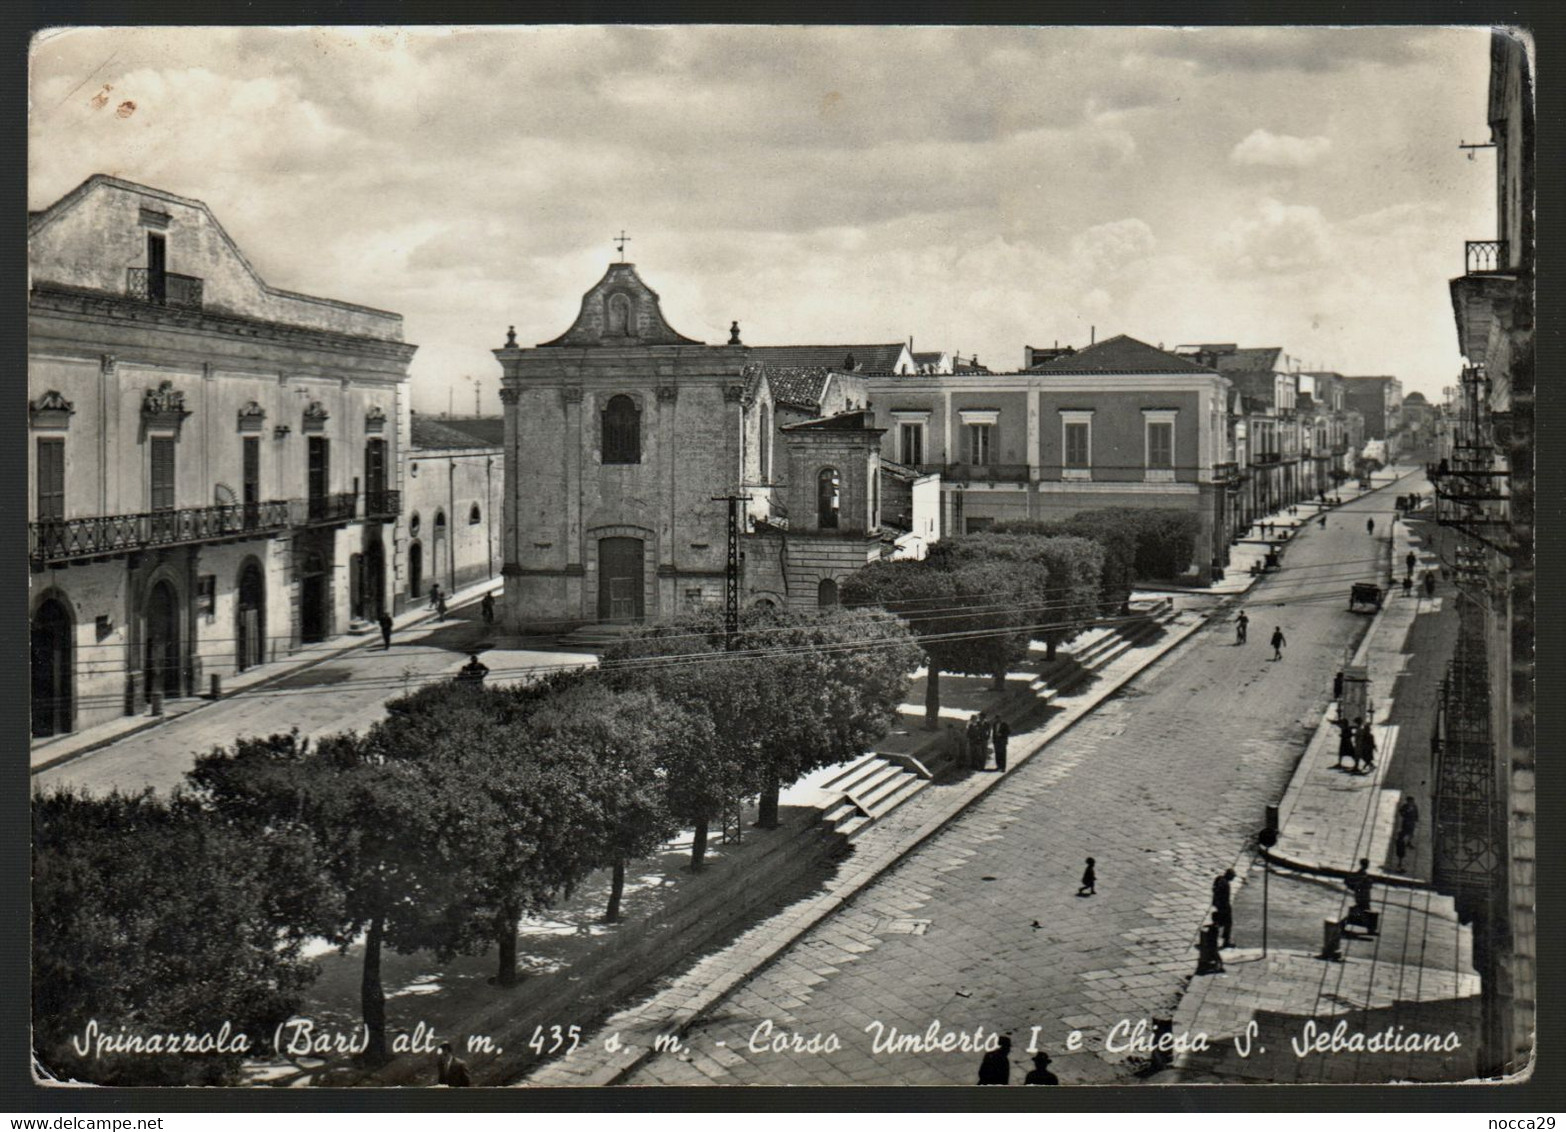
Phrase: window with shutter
(51, 479)
(162, 473)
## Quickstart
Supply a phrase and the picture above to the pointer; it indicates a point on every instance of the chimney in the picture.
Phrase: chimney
(1092, 335)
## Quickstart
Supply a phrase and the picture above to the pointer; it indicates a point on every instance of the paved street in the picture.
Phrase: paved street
(345, 693)
(981, 927)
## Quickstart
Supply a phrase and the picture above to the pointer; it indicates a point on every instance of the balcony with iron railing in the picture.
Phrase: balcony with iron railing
(164, 288)
(1485, 257)
(56, 541)
(382, 504)
(336, 507)
(987, 473)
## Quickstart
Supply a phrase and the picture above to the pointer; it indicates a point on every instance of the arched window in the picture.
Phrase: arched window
(828, 498)
(474, 518)
(413, 524)
(766, 444)
(619, 314)
(622, 431)
(440, 525)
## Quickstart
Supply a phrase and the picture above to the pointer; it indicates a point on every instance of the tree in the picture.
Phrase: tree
(149, 919)
(971, 619)
(1062, 571)
(1115, 536)
(386, 833)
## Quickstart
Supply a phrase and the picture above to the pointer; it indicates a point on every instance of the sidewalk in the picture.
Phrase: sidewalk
(64, 748)
(1416, 976)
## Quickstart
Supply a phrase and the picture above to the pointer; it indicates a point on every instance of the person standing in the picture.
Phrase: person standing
(1223, 909)
(1365, 748)
(487, 608)
(1001, 737)
(451, 1070)
(1346, 748)
(995, 1069)
(1407, 822)
(978, 758)
(1277, 643)
(1089, 886)
(1370, 526)
(1040, 1074)
(440, 607)
(1410, 561)
(1429, 584)
(1360, 884)
(1408, 584)
(434, 595)
(385, 622)
(1242, 625)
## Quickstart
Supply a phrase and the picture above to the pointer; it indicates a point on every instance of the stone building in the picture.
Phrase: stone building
(1380, 401)
(213, 461)
(454, 490)
(1119, 423)
(623, 439)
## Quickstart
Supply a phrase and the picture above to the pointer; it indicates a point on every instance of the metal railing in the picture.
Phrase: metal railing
(164, 288)
(1485, 257)
(382, 504)
(66, 540)
(337, 507)
(987, 473)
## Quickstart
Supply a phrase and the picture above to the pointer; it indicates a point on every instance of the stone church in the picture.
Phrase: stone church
(623, 437)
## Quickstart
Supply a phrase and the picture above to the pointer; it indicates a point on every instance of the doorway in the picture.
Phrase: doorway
(53, 679)
(415, 569)
(620, 564)
(250, 618)
(312, 599)
(373, 588)
(163, 655)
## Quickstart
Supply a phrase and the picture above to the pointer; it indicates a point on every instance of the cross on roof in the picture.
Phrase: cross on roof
(619, 243)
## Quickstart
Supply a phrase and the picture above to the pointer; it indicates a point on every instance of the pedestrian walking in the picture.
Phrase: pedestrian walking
(1277, 643)
(1242, 625)
(451, 1070)
(435, 595)
(385, 622)
(1360, 884)
(1223, 909)
(1365, 748)
(1346, 747)
(1337, 687)
(1409, 560)
(1370, 526)
(1089, 885)
(1408, 585)
(1429, 584)
(1001, 737)
(1407, 822)
(487, 608)
(1040, 1074)
(995, 1069)
(440, 608)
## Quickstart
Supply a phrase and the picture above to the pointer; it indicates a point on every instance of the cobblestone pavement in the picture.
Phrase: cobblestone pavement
(345, 693)
(982, 927)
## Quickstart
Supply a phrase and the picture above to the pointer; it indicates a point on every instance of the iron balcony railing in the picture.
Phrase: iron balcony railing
(988, 473)
(1485, 257)
(337, 507)
(382, 504)
(68, 540)
(163, 288)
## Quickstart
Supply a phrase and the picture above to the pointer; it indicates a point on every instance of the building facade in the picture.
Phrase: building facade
(213, 461)
(1379, 400)
(454, 490)
(1484, 837)
(625, 441)
(1119, 423)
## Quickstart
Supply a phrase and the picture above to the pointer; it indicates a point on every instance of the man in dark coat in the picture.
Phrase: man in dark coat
(1277, 643)
(1040, 1074)
(1242, 625)
(1409, 561)
(1223, 910)
(1407, 822)
(995, 1069)
(1089, 886)
(977, 755)
(474, 671)
(1365, 748)
(1346, 748)
(1001, 736)
(487, 608)
(1429, 583)
(451, 1070)
(385, 622)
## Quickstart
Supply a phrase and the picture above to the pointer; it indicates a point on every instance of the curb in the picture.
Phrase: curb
(828, 905)
(259, 685)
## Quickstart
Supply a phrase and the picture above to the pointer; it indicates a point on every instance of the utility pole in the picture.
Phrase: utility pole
(731, 575)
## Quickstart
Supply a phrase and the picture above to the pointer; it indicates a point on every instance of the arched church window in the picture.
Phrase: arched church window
(619, 314)
(828, 498)
(622, 428)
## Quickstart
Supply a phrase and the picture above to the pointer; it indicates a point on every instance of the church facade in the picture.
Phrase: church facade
(624, 440)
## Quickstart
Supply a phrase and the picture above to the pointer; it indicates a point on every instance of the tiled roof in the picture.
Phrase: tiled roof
(484, 432)
(867, 359)
(793, 385)
(1120, 354)
(927, 357)
(1250, 360)
(853, 421)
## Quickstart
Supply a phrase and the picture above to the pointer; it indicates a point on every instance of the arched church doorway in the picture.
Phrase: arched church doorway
(620, 563)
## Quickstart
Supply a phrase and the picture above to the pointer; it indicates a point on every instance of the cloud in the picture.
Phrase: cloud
(1105, 250)
(1280, 151)
(1279, 238)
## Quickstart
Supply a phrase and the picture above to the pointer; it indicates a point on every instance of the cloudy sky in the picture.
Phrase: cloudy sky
(978, 189)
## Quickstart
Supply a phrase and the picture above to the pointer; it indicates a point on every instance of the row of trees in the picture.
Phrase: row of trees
(465, 809)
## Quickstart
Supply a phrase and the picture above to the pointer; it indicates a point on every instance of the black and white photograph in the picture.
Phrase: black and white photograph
(780, 555)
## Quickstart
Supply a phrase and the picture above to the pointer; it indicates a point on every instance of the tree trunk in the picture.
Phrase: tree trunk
(506, 941)
(767, 805)
(616, 890)
(932, 697)
(1050, 644)
(372, 998)
(998, 680)
(699, 845)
